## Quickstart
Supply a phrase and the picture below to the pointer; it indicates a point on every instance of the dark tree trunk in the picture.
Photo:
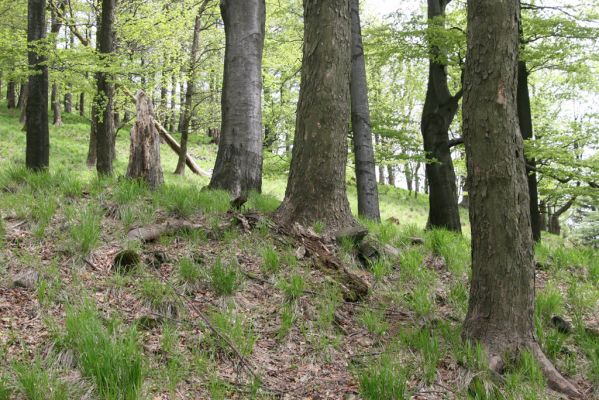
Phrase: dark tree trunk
(105, 93)
(11, 94)
(82, 104)
(368, 194)
(238, 167)
(316, 189)
(55, 100)
(24, 95)
(408, 175)
(182, 92)
(20, 97)
(501, 305)
(525, 120)
(92, 152)
(144, 155)
(554, 222)
(440, 108)
(391, 175)
(543, 215)
(38, 136)
(191, 79)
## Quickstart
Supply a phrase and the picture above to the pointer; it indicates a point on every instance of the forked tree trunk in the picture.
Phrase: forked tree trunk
(316, 189)
(11, 94)
(105, 92)
(238, 167)
(440, 108)
(525, 120)
(37, 153)
(368, 194)
(144, 155)
(191, 78)
(501, 305)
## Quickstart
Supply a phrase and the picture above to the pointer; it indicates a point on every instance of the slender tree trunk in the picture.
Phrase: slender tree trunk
(55, 100)
(105, 92)
(38, 136)
(316, 189)
(368, 194)
(525, 120)
(182, 92)
(238, 167)
(440, 108)
(391, 175)
(501, 306)
(92, 152)
(68, 100)
(191, 78)
(377, 142)
(11, 94)
(409, 178)
(82, 104)
(24, 95)
(173, 114)
(20, 97)
(417, 179)
(543, 215)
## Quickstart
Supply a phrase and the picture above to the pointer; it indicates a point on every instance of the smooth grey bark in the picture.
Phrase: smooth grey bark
(440, 108)
(316, 190)
(526, 128)
(37, 154)
(238, 167)
(68, 100)
(368, 194)
(191, 79)
(381, 167)
(105, 92)
(501, 305)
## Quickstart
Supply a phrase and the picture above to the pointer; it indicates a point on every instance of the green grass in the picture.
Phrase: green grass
(36, 382)
(109, 355)
(383, 379)
(85, 229)
(233, 327)
(293, 288)
(224, 278)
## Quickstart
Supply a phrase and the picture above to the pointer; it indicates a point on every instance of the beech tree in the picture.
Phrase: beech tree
(37, 155)
(440, 108)
(238, 167)
(368, 195)
(316, 189)
(501, 305)
(105, 93)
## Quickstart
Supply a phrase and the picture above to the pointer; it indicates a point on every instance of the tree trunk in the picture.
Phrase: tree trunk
(440, 108)
(417, 179)
(24, 95)
(525, 120)
(543, 215)
(368, 195)
(554, 222)
(316, 189)
(92, 151)
(377, 142)
(20, 96)
(82, 104)
(391, 175)
(501, 306)
(68, 100)
(408, 175)
(38, 136)
(144, 155)
(182, 92)
(191, 78)
(55, 100)
(105, 92)
(173, 114)
(11, 94)
(238, 167)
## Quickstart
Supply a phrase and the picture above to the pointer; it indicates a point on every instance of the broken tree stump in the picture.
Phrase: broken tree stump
(144, 155)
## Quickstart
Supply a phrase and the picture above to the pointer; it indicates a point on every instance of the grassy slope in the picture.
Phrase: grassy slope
(82, 330)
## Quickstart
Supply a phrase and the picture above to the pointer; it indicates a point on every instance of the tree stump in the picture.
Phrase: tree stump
(144, 156)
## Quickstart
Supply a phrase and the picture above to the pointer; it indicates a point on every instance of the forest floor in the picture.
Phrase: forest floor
(222, 310)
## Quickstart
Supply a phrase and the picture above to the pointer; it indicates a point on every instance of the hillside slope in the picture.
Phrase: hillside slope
(225, 310)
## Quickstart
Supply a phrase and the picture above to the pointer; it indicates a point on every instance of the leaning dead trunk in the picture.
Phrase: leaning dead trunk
(368, 194)
(238, 167)
(144, 155)
(501, 305)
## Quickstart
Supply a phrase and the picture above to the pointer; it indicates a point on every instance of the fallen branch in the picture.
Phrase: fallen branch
(153, 232)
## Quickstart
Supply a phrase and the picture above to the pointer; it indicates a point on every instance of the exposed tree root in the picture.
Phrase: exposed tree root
(555, 380)
(153, 232)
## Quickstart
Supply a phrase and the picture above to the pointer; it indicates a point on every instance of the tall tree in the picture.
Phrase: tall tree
(440, 108)
(501, 306)
(11, 94)
(55, 27)
(191, 78)
(38, 136)
(105, 91)
(316, 189)
(238, 167)
(526, 129)
(368, 195)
